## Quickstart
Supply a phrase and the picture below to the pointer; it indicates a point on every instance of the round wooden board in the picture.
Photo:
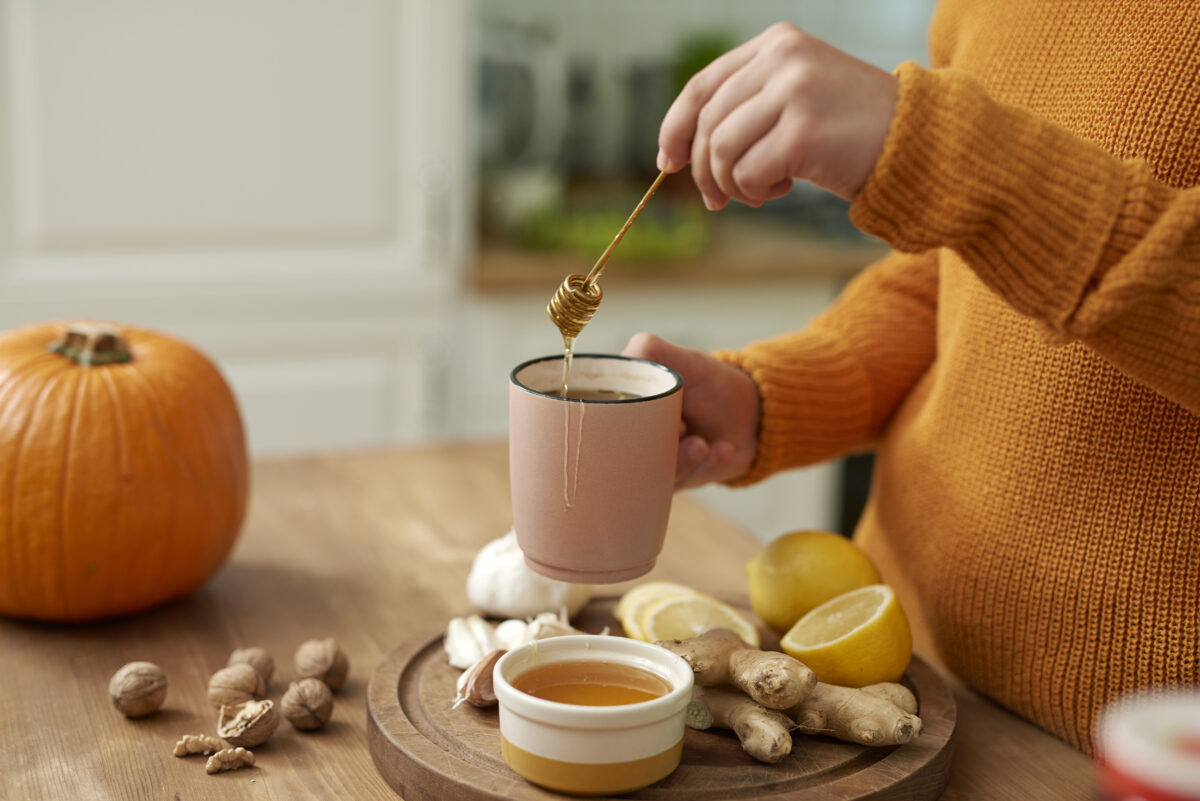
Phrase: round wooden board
(427, 751)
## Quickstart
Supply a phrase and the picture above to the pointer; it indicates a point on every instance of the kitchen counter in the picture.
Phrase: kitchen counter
(741, 251)
(372, 549)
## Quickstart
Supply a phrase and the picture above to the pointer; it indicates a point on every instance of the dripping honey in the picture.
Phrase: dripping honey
(591, 683)
(568, 355)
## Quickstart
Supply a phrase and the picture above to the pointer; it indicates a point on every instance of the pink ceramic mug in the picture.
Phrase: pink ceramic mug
(592, 480)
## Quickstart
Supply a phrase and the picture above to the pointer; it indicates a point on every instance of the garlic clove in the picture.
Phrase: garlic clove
(511, 633)
(484, 634)
(475, 684)
(460, 644)
(541, 630)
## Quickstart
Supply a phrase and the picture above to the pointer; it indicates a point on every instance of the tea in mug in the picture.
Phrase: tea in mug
(596, 394)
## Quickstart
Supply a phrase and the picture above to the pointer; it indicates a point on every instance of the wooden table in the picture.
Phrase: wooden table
(372, 549)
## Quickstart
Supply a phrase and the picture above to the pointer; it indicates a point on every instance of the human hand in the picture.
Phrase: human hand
(718, 435)
(783, 105)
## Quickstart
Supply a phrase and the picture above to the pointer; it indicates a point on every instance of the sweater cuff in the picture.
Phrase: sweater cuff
(813, 401)
(1028, 205)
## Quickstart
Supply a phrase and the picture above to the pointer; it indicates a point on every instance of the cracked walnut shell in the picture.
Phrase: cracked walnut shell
(248, 724)
(138, 689)
(307, 704)
(235, 684)
(324, 660)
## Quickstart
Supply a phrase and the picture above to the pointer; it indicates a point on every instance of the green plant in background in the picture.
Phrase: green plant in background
(665, 232)
(696, 51)
(658, 236)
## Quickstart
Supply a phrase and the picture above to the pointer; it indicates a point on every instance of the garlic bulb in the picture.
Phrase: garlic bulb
(502, 585)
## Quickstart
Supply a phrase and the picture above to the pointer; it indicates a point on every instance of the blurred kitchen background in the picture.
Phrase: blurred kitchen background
(360, 208)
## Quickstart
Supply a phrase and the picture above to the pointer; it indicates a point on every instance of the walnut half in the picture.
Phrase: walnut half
(228, 759)
(248, 724)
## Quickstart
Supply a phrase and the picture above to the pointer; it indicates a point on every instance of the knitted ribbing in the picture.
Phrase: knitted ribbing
(1030, 375)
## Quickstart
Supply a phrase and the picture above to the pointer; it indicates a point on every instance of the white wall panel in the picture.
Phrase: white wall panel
(228, 142)
(168, 124)
(284, 183)
(281, 400)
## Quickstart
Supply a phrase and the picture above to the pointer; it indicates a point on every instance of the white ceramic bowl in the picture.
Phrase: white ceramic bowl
(592, 750)
(1145, 743)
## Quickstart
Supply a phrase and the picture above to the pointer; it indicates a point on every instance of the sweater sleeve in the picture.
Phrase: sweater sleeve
(830, 388)
(1089, 245)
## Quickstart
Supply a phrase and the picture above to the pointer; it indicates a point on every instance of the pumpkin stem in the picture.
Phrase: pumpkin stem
(92, 346)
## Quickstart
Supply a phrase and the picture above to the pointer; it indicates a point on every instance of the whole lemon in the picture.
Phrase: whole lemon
(801, 570)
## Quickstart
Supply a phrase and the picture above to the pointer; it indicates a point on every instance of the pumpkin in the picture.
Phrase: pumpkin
(123, 473)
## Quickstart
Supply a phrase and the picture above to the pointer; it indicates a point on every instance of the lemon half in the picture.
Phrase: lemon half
(856, 639)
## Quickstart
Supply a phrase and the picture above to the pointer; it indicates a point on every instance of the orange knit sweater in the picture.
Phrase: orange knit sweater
(1027, 364)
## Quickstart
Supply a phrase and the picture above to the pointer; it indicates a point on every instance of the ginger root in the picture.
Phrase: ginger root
(228, 759)
(719, 657)
(878, 714)
(765, 734)
(197, 744)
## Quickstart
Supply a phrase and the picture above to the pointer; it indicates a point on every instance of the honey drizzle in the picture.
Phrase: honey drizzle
(571, 479)
(578, 445)
(566, 455)
(568, 356)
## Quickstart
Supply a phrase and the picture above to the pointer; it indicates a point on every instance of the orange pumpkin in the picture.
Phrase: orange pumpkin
(123, 473)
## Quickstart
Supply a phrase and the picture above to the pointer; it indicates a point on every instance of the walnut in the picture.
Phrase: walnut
(235, 684)
(138, 689)
(228, 759)
(324, 660)
(257, 658)
(197, 744)
(307, 704)
(249, 723)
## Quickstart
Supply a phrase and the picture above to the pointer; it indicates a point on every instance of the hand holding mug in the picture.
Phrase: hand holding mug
(719, 431)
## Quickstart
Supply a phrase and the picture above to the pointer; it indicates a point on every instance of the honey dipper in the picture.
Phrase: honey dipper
(576, 300)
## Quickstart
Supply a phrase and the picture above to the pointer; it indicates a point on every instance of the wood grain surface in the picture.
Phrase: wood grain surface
(373, 549)
(427, 750)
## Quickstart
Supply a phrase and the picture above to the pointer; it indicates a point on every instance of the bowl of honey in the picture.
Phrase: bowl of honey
(590, 714)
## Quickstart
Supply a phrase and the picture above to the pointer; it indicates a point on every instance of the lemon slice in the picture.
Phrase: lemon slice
(858, 638)
(685, 616)
(636, 600)
(651, 589)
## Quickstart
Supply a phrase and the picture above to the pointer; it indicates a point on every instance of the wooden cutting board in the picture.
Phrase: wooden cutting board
(427, 751)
